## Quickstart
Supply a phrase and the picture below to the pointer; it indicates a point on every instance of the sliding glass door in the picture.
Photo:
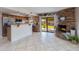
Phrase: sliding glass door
(47, 24)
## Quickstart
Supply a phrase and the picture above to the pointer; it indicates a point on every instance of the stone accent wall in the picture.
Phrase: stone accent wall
(69, 21)
(69, 14)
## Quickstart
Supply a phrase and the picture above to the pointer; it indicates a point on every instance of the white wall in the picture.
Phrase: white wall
(77, 19)
(55, 20)
(0, 24)
(40, 20)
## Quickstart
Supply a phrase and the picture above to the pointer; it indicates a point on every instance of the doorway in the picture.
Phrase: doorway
(47, 24)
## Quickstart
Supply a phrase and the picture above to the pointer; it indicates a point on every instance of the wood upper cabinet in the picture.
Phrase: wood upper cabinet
(15, 16)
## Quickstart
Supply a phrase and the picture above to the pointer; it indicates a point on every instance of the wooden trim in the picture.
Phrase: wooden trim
(15, 16)
(47, 24)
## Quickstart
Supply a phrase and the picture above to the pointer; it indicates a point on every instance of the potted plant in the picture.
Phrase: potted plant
(74, 39)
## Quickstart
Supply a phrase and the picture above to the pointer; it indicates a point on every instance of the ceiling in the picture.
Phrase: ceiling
(12, 12)
(29, 10)
(37, 9)
(45, 9)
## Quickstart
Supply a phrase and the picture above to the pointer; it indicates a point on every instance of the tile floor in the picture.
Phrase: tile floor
(38, 42)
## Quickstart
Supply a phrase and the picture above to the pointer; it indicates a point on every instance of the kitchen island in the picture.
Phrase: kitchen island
(17, 32)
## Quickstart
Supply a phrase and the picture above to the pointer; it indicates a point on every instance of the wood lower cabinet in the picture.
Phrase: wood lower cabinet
(4, 33)
(36, 24)
(9, 33)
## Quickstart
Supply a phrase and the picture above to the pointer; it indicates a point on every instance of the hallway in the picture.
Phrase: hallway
(39, 42)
